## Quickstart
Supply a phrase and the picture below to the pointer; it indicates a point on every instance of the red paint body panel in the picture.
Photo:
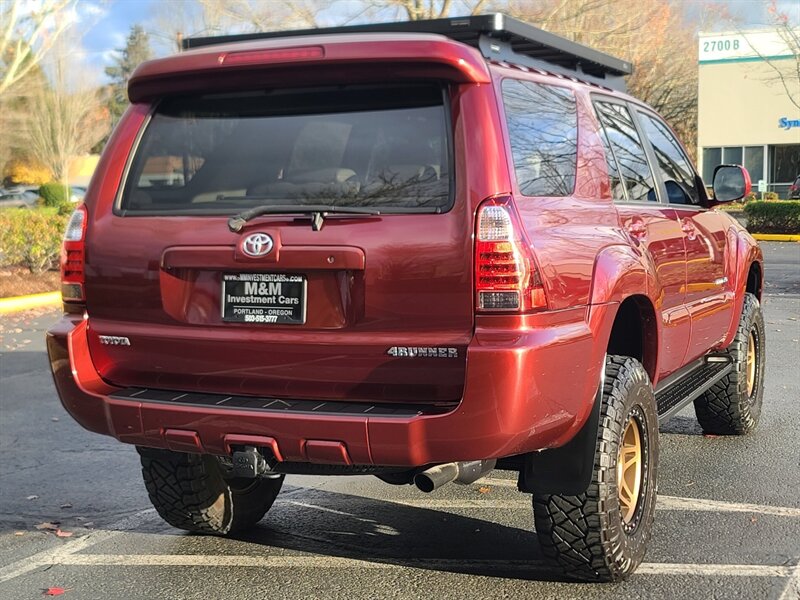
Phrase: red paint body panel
(521, 382)
(499, 415)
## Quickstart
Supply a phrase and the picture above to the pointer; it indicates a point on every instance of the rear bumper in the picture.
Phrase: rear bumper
(525, 389)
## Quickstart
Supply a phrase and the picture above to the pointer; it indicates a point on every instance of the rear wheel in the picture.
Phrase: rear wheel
(733, 405)
(190, 492)
(602, 534)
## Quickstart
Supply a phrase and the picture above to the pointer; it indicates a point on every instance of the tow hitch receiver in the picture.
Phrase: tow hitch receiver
(249, 462)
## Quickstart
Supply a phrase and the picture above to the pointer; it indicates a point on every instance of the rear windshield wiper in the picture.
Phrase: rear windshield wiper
(317, 212)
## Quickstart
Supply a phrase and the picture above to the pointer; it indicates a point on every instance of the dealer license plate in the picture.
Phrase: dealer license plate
(277, 298)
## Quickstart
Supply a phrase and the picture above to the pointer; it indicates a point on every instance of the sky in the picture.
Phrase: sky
(103, 25)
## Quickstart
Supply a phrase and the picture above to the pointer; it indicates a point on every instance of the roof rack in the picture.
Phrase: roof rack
(498, 37)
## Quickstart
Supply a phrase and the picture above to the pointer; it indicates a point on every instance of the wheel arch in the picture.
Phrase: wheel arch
(624, 282)
(634, 332)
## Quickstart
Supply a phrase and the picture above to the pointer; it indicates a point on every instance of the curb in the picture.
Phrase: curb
(17, 303)
(776, 237)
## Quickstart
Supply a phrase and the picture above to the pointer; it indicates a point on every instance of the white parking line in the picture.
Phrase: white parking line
(792, 589)
(689, 504)
(68, 553)
(671, 503)
(59, 554)
(699, 504)
(338, 562)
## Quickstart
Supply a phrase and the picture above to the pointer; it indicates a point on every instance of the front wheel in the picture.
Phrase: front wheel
(602, 534)
(733, 405)
(190, 492)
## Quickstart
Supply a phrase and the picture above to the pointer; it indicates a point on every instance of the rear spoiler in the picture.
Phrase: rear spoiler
(324, 59)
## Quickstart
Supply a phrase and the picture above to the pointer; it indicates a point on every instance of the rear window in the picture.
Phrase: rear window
(543, 132)
(385, 147)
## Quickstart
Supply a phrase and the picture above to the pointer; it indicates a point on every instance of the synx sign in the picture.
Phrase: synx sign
(787, 124)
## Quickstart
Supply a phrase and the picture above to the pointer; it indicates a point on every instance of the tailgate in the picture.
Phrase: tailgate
(367, 307)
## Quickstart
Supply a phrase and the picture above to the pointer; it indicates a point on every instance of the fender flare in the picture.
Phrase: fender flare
(746, 252)
(569, 468)
(619, 272)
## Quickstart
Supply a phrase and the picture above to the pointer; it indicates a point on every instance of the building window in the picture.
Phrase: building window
(754, 162)
(732, 156)
(712, 158)
(785, 162)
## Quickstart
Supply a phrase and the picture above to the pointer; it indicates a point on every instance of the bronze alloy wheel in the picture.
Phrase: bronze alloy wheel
(751, 364)
(629, 470)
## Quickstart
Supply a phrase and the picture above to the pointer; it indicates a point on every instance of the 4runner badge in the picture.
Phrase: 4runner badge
(425, 351)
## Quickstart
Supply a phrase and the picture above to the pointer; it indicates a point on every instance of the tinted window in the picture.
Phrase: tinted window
(676, 171)
(351, 146)
(628, 150)
(615, 179)
(543, 131)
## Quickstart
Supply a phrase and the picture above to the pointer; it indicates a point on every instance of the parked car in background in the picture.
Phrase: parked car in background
(77, 193)
(18, 199)
(794, 189)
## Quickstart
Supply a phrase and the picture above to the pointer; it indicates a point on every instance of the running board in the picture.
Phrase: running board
(680, 389)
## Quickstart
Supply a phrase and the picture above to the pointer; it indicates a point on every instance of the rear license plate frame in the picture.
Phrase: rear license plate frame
(264, 298)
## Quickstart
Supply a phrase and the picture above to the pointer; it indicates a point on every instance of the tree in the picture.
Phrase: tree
(136, 51)
(67, 119)
(416, 10)
(174, 21)
(785, 70)
(651, 34)
(28, 32)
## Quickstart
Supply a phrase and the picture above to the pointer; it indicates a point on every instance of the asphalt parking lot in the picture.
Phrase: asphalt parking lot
(727, 526)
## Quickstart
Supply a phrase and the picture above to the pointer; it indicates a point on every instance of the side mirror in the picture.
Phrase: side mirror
(731, 182)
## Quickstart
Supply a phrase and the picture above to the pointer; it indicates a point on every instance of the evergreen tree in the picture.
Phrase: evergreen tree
(136, 51)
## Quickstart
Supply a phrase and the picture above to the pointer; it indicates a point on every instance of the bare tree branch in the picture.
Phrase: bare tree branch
(67, 117)
(29, 33)
(785, 70)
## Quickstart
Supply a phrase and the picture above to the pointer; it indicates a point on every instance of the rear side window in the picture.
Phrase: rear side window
(356, 146)
(543, 132)
(627, 149)
(676, 171)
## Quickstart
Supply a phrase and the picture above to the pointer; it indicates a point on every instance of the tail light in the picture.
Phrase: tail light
(73, 257)
(506, 277)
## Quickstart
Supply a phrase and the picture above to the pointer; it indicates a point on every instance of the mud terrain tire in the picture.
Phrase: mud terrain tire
(190, 492)
(733, 405)
(586, 535)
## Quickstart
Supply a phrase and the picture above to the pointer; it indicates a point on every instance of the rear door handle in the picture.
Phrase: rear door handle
(637, 229)
(688, 228)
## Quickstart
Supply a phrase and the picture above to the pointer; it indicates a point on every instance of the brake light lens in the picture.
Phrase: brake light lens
(506, 277)
(277, 55)
(73, 257)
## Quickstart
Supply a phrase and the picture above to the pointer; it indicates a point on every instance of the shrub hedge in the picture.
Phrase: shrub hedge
(773, 217)
(31, 238)
(56, 195)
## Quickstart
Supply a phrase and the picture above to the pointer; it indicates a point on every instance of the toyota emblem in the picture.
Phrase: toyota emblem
(257, 244)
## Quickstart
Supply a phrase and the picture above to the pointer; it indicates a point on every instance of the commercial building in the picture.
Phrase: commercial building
(745, 113)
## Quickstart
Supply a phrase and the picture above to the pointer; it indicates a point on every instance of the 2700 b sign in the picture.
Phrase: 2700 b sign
(278, 298)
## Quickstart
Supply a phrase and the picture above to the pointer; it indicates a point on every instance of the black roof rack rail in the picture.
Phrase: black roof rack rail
(498, 37)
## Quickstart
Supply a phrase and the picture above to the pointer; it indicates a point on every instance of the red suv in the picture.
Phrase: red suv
(415, 250)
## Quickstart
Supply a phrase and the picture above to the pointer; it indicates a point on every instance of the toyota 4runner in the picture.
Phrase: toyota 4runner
(420, 251)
